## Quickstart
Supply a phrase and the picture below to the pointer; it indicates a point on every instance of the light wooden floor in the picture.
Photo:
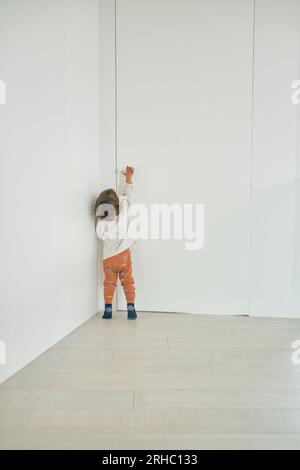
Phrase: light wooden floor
(164, 381)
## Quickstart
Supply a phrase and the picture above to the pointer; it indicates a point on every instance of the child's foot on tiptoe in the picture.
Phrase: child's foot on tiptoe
(107, 311)
(131, 312)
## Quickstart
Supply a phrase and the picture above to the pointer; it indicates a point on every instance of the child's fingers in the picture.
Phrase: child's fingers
(129, 169)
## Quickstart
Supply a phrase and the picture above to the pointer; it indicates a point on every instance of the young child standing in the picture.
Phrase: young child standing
(111, 213)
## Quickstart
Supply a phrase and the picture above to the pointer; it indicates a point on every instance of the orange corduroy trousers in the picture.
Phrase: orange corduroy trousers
(119, 265)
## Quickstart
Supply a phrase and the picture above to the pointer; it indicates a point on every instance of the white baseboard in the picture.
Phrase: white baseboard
(272, 315)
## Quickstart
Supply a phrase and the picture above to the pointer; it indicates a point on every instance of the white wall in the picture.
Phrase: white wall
(49, 172)
(181, 113)
(275, 252)
(107, 111)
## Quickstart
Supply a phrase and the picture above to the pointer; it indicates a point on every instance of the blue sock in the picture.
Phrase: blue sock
(131, 313)
(107, 311)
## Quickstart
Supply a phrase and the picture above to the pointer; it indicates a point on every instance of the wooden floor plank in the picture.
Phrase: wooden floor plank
(165, 381)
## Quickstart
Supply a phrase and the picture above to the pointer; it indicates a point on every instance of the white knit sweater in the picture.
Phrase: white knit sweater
(114, 233)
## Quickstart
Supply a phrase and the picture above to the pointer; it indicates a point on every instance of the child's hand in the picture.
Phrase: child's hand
(128, 174)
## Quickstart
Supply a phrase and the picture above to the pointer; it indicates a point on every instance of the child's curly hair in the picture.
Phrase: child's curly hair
(107, 204)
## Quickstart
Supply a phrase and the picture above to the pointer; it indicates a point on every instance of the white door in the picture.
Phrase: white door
(275, 247)
(184, 109)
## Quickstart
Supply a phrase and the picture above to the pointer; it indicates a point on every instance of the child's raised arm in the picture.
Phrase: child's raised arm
(128, 190)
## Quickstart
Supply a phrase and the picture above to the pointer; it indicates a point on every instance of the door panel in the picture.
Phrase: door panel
(275, 253)
(184, 111)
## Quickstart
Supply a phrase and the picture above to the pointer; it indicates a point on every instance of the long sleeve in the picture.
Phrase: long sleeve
(100, 230)
(128, 192)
